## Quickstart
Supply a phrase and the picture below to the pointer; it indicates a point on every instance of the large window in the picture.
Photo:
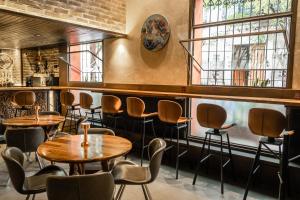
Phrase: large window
(85, 62)
(241, 42)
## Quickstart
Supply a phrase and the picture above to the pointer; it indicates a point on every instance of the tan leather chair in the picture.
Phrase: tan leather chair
(136, 110)
(111, 107)
(86, 102)
(67, 100)
(270, 125)
(99, 186)
(23, 101)
(213, 117)
(170, 113)
(128, 173)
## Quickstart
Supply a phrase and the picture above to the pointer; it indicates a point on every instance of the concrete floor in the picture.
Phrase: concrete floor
(165, 187)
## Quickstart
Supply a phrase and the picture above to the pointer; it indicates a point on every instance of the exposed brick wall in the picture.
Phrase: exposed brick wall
(104, 14)
(29, 60)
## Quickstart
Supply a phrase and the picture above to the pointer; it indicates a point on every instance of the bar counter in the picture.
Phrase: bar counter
(291, 97)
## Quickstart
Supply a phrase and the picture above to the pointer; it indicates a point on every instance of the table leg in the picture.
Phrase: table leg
(76, 169)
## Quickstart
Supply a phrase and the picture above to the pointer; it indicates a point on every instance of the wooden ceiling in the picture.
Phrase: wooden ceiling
(24, 31)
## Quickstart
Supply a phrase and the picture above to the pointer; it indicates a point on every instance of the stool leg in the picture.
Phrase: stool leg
(230, 157)
(222, 175)
(153, 129)
(253, 170)
(199, 163)
(115, 123)
(177, 154)
(63, 126)
(208, 152)
(143, 141)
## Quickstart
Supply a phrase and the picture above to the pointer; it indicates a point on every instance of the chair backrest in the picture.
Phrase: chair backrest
(14, 159)
(49, 113)
(266, 122)
(86, 100)
(135, 106)
(102, 131)
(67, 98)
(26, 139)
(110, 104)
(24, 98)
(156, 150)
(99, 186)
(169, 111)
(211, 116)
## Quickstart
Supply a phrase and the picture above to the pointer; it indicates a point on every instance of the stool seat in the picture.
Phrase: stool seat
(146, 115)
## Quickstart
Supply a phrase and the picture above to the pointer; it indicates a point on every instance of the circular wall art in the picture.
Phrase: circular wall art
(155, 32)
(6, 61)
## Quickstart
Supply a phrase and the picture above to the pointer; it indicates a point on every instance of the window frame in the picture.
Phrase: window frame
(89, 82)
(292, 36)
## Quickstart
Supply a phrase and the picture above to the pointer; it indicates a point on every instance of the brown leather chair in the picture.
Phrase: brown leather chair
(170, 113)
(213, 117)
(23, 101)
(99, 186)
(86, 102)
(136, 110)
(128, 173)
(111, 108)
(269, 124)
(32, 185)
(67, 100)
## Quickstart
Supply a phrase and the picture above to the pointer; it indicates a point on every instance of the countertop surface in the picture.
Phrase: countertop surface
(282, 101)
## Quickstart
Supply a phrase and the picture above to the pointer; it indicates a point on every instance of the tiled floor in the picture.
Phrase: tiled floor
(165, 187)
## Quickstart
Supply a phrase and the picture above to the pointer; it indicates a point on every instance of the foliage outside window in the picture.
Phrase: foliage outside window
(85, 62)
(241, 42)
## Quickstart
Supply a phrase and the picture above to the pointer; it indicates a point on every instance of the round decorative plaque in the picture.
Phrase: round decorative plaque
(155, 32)
(6, 61)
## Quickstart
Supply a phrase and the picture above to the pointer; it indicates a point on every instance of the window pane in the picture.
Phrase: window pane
(86, 63)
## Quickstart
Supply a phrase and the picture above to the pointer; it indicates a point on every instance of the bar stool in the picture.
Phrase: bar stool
(86, 102)
(170, 113)
(213, 117)
(67, 100)
(269, 124)
(23, 101)
(136, 110)
(111, 105)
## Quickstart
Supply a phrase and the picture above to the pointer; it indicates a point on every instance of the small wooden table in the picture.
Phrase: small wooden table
(68, 149)
(30, 121)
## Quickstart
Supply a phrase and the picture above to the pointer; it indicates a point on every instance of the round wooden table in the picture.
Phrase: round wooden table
(30, 121)
(68, 149)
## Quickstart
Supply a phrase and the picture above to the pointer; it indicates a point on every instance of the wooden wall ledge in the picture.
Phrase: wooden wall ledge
(286, 97)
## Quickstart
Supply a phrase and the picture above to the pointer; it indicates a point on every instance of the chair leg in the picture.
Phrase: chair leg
(143, 142)
(63, 126)
(221, 158)
(27, 197)
(153, 129)
(199, 162)
(39, 160)
(253, 170)
(120, 192)
(230, 157)
(33, 196)
(146, 192)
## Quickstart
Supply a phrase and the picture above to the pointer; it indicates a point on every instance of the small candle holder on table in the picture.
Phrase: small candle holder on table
(85, 126)
(37, 109)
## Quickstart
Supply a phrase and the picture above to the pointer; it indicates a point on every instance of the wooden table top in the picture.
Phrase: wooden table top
(30, 121)
(68, 149)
